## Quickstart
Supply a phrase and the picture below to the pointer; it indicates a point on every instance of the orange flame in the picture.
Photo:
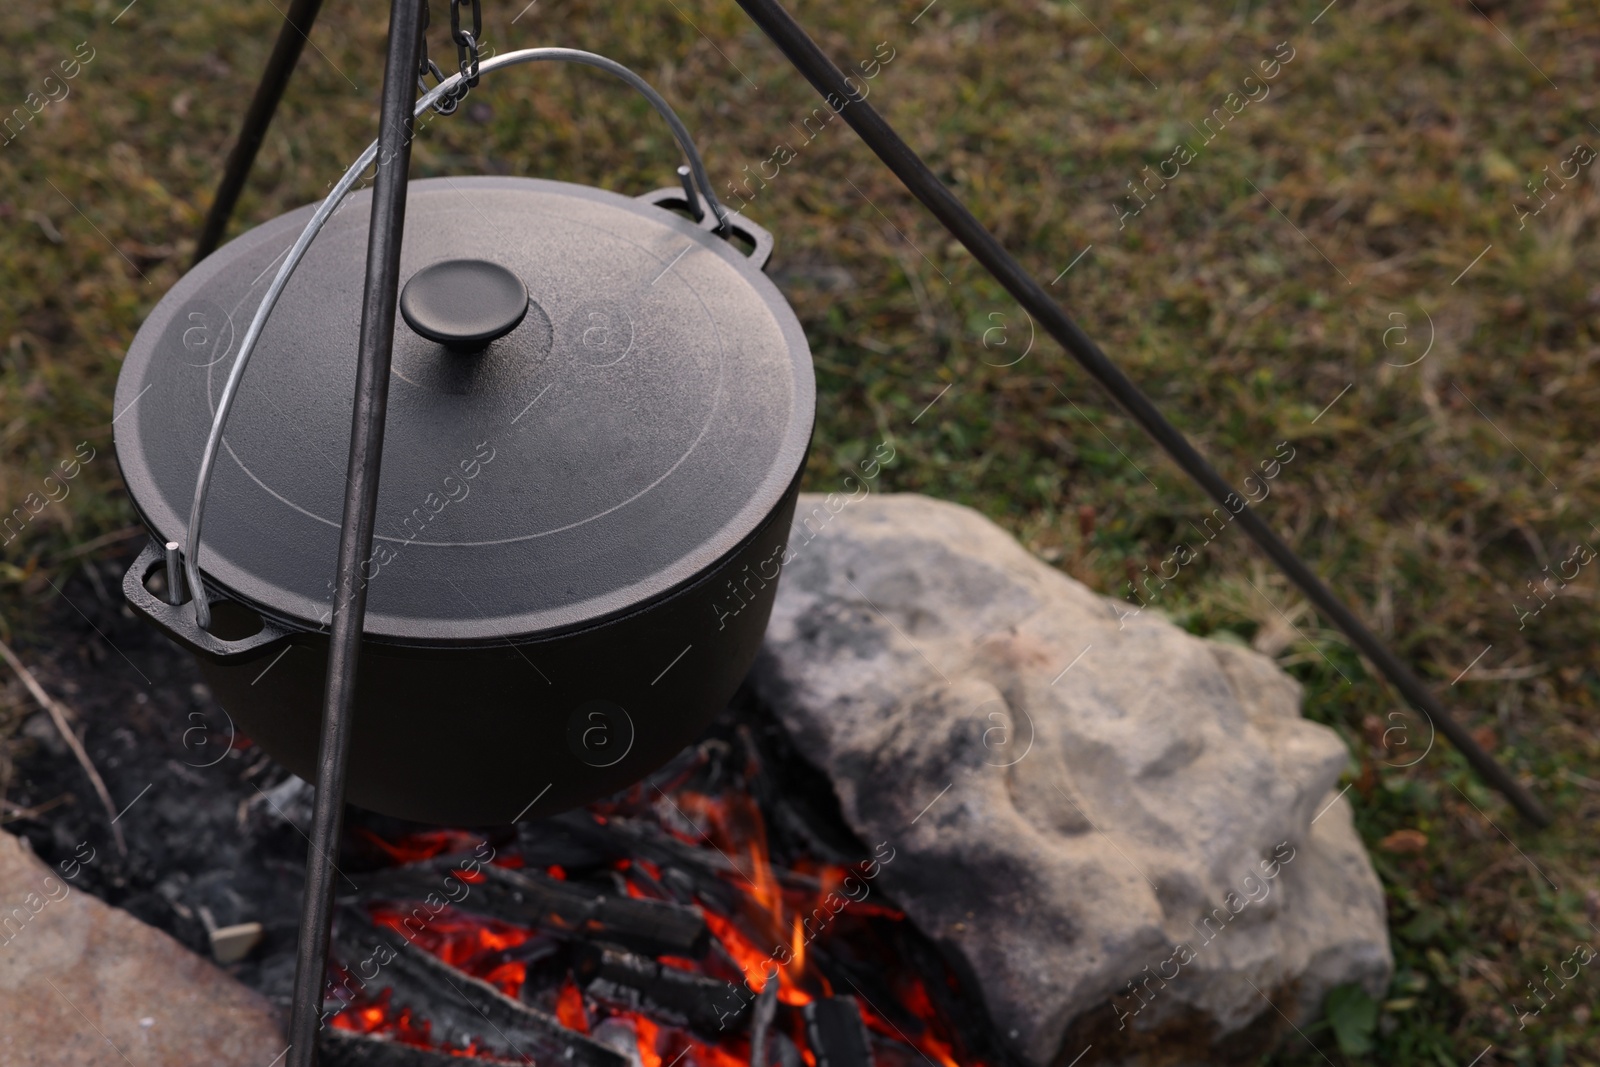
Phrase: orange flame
(773, 908)
(797, 946)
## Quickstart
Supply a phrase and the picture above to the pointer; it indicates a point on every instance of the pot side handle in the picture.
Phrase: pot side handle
(674, 199)
(177, 620)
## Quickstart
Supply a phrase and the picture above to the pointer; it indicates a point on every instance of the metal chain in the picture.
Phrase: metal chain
(467, 41)
(467, 59)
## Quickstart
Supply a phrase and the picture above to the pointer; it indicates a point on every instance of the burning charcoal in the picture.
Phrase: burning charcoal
(687, 871)
(639, 874)
(721, 895)
(784, 1052)
(571, 839)
(868, 981)
(457, 1006)
(836, 1033)
(760, 1022)
(640, 984)
(344, 1048)
(679, 884)
(656, 927)
(620, 1035)
(429, 880)
(649, 841)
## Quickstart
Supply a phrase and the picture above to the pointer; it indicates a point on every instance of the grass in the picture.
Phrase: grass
(1282, 288)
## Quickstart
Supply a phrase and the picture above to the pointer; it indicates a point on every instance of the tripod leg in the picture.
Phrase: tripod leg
(285, 54)
(809, 60)
(373, 354)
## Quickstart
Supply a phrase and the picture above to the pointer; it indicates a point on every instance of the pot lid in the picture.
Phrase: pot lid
(643, 418)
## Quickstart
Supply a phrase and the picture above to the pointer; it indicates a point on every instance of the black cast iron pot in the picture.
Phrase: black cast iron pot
(580, 521)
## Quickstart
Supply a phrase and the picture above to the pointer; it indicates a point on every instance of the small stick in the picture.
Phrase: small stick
(10, 810)
(59, 717)
(101, 542)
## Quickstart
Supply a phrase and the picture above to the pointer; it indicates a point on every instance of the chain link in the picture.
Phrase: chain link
(467, 41)
(467, 58)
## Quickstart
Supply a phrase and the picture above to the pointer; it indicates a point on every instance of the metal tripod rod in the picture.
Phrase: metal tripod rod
(292, 36)
(376, 345)
(828, 80)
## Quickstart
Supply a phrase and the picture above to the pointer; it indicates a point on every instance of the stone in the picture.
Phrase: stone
(1126, 834)
(85, 984)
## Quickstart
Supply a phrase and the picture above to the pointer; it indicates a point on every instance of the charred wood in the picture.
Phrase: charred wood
(345, 1048)
(640, 984)
(656, 927)
(760, 1023)
(836, 1033)
(528, 898)
(571, 839)
(458, 1007)
(784, 1052)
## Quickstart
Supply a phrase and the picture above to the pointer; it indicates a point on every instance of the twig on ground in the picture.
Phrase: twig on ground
(10, 811)
(58, 715)
(101, 542)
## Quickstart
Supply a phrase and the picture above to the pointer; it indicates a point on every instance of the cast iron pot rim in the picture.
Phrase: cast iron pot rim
(417, 633)
(510, 644)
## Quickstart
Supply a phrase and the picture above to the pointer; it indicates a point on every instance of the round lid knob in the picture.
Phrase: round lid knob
(464, 303)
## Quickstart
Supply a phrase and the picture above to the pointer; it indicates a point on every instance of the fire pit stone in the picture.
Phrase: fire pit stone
(1127, 834)
(85, 984)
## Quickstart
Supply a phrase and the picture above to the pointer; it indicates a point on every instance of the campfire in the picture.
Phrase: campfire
(664, 928)
(718, 913)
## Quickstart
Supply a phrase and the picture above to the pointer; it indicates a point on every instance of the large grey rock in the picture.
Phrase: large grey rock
(1065, 833)
(84, 984)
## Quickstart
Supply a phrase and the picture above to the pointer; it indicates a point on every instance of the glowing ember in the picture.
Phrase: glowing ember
(467, 942)
(424, 846)
(784, 925)
(648, 1034)
(378, 1017)
(569, 1007)
(508, 977)
(660, 1045)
